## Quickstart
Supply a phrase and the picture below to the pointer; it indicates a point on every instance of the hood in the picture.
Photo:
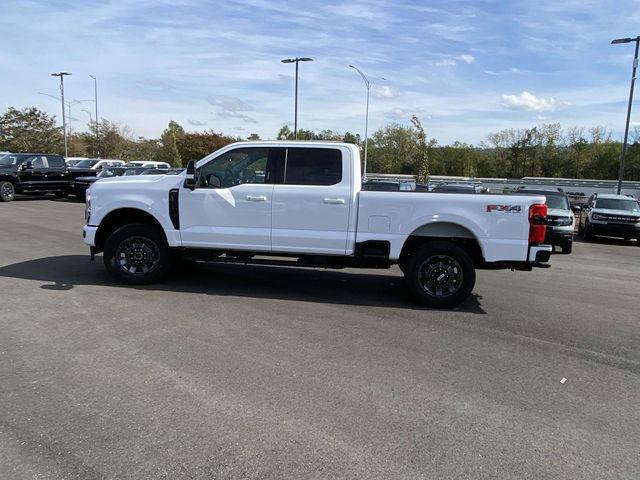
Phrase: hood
(559, 212)
(610, 211)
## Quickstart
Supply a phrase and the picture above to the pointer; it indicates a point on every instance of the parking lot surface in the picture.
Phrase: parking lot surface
(229, 372)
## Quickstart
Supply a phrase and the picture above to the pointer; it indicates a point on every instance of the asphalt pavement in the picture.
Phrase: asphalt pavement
(235, 372)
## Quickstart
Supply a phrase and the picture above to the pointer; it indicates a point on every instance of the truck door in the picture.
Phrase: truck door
(311, 205)
(231, 206)
(56, 175)
(34, 177)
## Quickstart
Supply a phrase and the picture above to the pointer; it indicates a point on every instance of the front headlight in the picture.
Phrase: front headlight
(595, 216)
(564, 221)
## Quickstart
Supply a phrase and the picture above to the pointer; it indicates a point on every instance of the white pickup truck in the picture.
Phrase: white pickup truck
(301, 204)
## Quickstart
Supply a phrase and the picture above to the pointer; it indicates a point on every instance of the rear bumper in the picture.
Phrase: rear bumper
(539, 254)
(538, 257)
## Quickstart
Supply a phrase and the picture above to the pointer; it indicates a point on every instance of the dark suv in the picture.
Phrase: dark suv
(32, 173)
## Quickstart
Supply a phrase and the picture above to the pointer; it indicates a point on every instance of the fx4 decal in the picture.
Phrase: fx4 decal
(504, 208)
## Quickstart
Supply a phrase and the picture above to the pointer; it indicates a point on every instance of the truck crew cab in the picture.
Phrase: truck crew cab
(34, 173)
(300, 203)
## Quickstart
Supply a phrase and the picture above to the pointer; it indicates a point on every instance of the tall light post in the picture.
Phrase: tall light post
(95, 99)
(633, 82)
(91, 121)
(368, 82)
(64, 120)
(295, 116)
(68, 103)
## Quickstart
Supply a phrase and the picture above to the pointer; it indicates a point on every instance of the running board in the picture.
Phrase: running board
(274, 262)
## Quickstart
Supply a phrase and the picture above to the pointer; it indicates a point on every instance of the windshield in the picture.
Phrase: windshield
(557, 201)
(10, 159)
(133, 171)
(86, 163)
(110, 172)
(629, 205)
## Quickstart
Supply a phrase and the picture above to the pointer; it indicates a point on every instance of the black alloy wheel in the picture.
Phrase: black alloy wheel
(7, 191)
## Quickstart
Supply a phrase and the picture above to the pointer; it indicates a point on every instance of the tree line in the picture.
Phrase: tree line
(545, 150)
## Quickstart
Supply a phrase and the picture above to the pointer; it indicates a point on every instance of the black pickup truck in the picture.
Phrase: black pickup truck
(35, 173)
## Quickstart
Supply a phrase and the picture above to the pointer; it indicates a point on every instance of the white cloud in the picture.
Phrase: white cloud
(231, 107)
(466, 58)
(196, 123)
(398, 114)
(385, 92)
(452, 61)
(530, 103)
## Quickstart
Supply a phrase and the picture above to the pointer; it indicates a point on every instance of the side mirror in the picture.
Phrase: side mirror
(576, 209)
(191, 180)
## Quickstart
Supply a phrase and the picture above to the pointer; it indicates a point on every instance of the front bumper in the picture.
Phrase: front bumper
(631, 230)
(558, 236)
(89, 235)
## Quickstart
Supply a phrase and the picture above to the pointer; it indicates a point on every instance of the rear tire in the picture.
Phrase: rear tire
(7, 191)
(440, 274)
(137, 254)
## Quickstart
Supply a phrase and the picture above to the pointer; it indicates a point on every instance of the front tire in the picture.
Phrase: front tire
(587, 233)
(567, 247)
(137, 254)
(440, 275)
(7, 191)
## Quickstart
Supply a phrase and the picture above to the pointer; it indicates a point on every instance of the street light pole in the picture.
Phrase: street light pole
(64, 120)
(90, 121)
(296, 60)
(95, 99)
(626, 128)
(368, 83)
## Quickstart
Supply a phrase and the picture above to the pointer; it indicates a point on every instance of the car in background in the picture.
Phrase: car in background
(458, 188)
(162, 171)
(80, 185)
(375, 185)
(91, 166)
(32, 173)
(73, 161)
(145, 164)
(611, 216)
(560, 218)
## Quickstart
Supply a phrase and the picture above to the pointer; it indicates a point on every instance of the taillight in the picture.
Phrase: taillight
(537, 223)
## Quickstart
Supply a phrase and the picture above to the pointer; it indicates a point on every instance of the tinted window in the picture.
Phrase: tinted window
(86, 163)
(630, 204)
(239, 166)
(37, 162)
(313, 166)
(55, 161)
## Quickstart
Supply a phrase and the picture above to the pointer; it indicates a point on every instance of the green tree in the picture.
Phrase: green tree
(422, 152)
(253, 137)
(196, 145)
(30, 130)
(169, 139)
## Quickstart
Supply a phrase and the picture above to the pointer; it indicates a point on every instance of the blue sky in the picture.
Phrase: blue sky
(466, 68)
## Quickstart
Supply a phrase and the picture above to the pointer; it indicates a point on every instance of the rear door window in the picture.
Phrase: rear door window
(56, 162)
(313, 166)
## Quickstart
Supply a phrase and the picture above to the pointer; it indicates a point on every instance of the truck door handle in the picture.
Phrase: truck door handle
(334, 201)
(256, 198)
